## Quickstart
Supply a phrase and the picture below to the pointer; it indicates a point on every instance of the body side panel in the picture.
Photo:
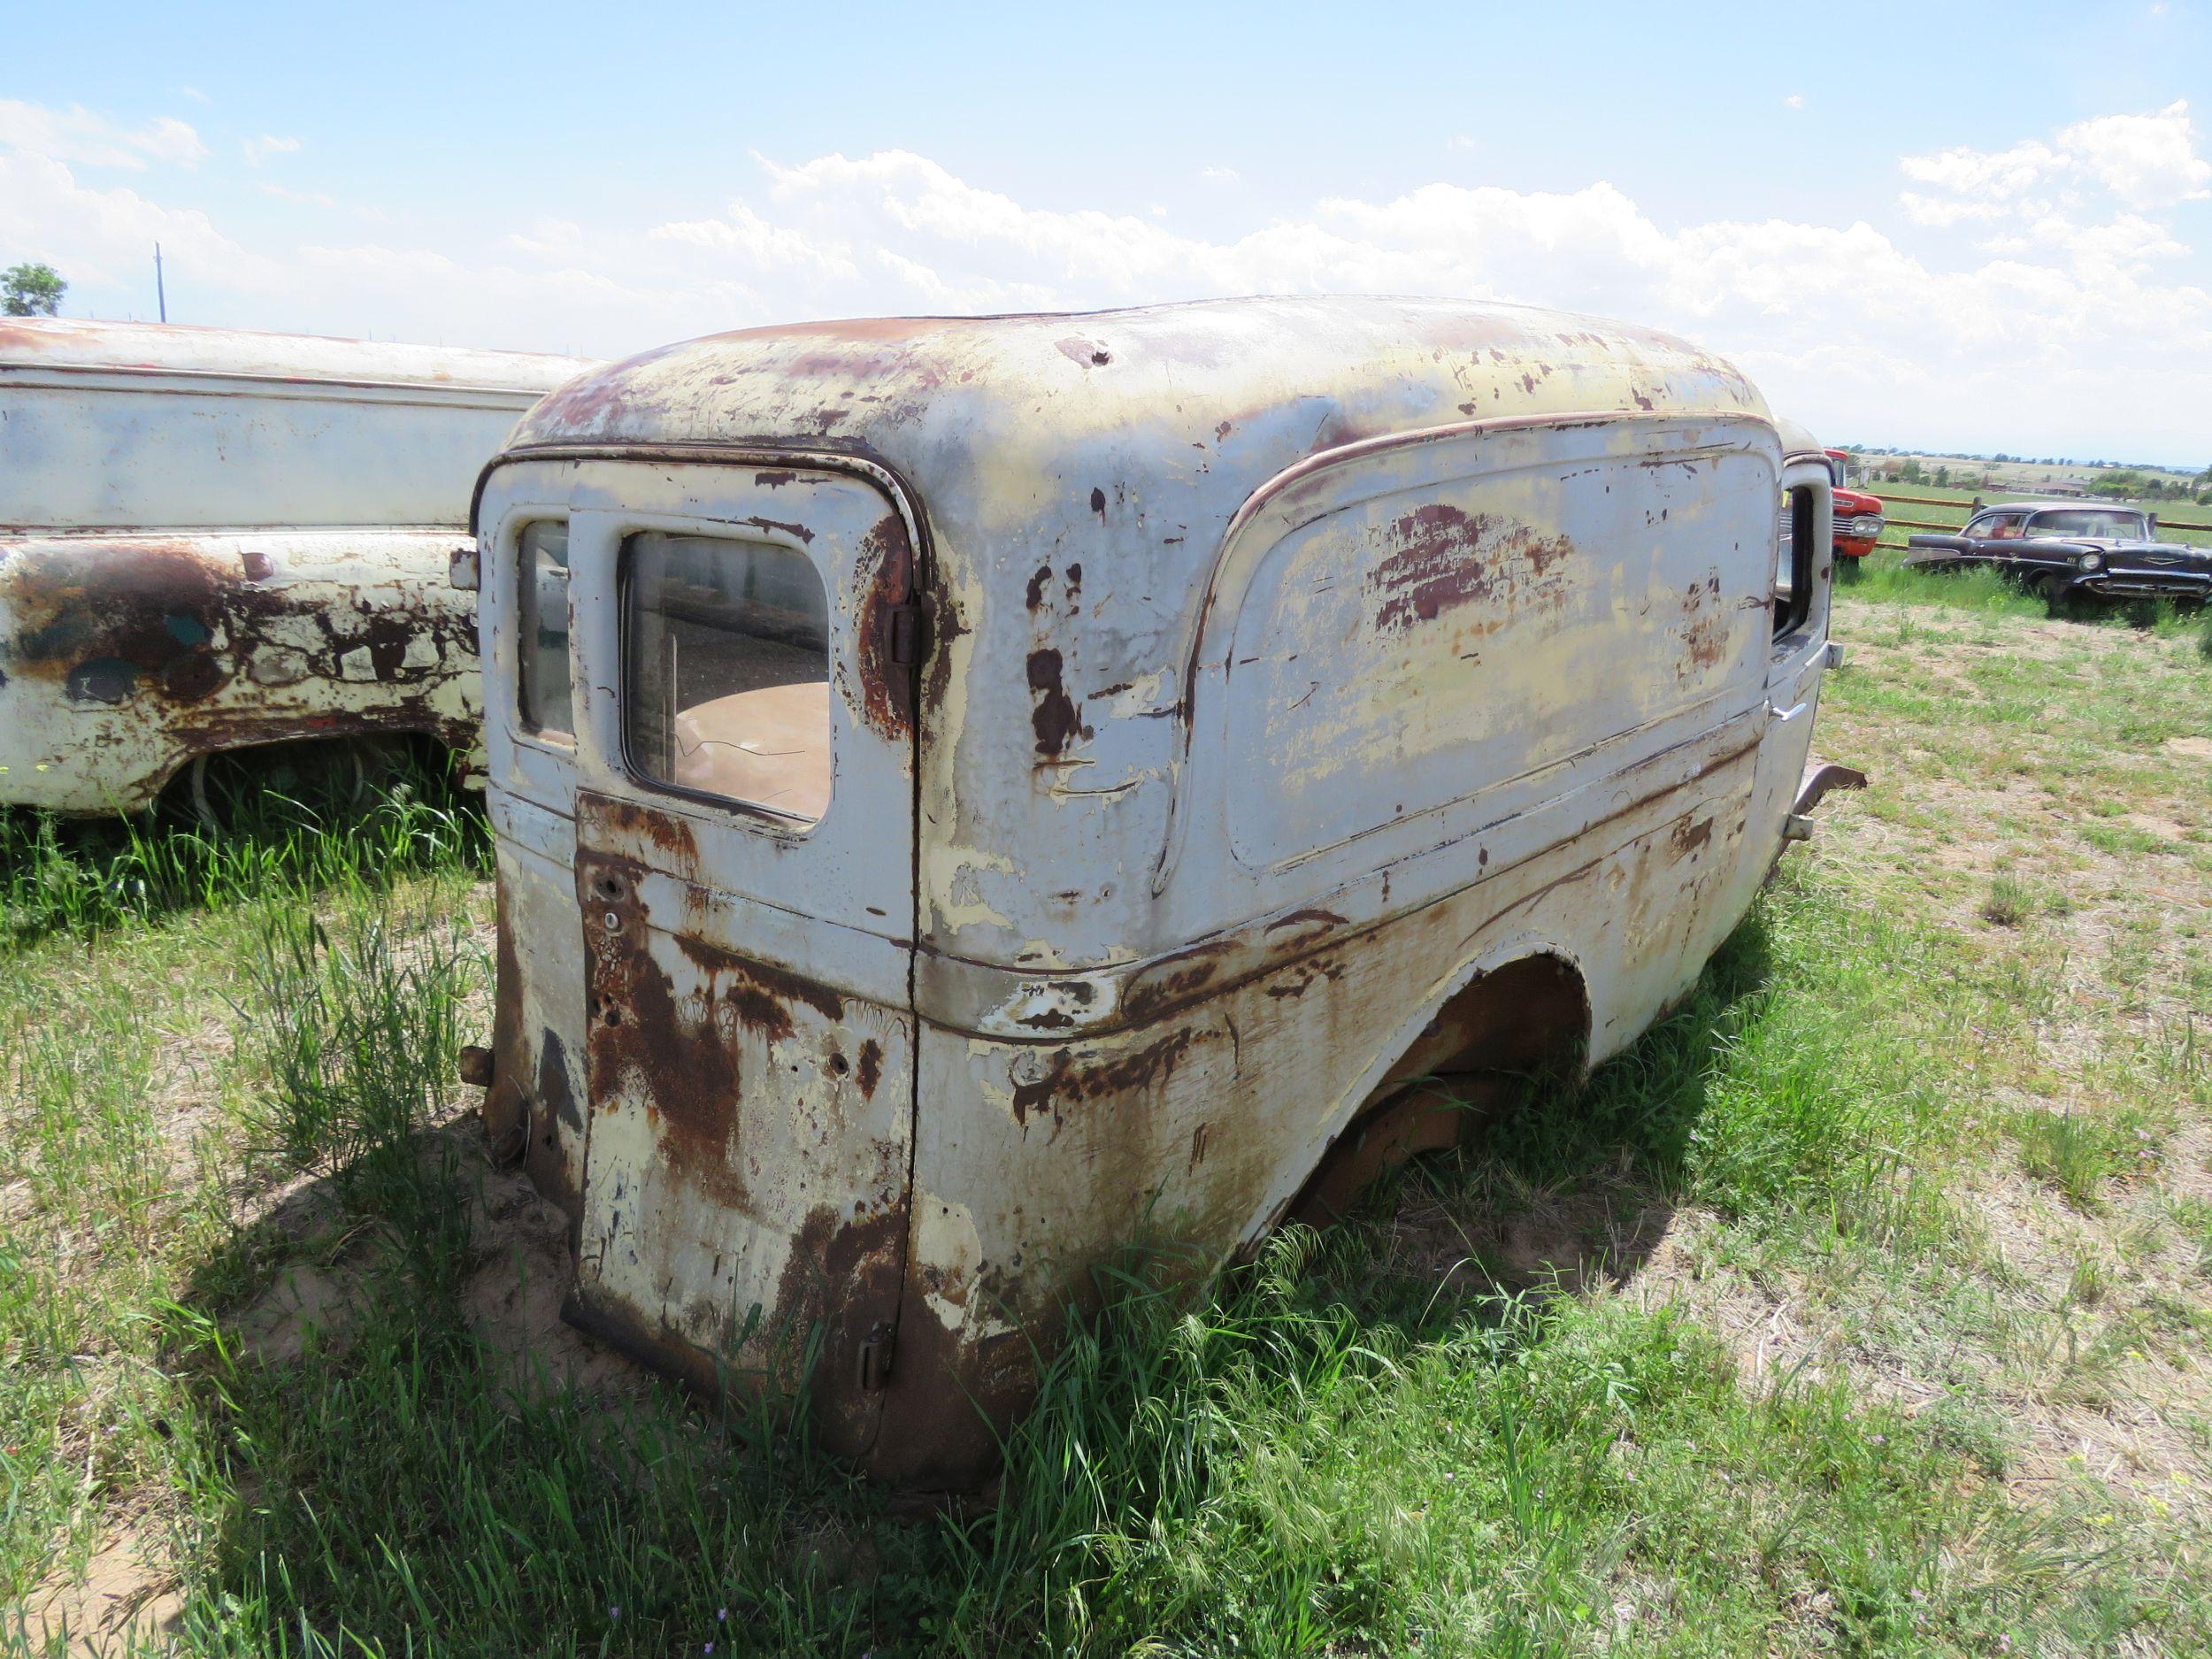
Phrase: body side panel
(125, 655)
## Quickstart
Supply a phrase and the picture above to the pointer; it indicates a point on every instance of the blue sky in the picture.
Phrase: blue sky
(1977, 226)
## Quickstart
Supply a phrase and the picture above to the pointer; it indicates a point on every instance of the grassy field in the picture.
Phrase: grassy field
(1864, 1308)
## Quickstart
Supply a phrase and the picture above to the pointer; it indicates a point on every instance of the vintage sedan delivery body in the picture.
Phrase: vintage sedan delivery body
(212, 540)
(2073, 550)
(971, 792)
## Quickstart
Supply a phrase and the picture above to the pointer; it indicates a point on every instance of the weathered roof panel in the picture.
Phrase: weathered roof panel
(64, 343)
(1319, 373)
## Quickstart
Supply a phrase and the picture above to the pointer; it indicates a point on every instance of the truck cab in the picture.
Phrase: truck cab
(973, 793)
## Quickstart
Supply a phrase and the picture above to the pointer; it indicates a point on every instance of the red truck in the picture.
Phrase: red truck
(1858, 515)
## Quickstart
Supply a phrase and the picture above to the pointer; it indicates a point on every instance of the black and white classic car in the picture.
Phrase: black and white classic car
(2065, 551)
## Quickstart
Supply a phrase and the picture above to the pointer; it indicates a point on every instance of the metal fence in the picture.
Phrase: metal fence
(1897, 529)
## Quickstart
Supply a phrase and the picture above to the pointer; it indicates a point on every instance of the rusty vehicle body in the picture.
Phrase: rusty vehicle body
(211, 540)
(969, 793)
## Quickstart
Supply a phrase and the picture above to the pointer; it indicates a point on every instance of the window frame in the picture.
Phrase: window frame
(752, 815)
(520, 520)
(1804, 521)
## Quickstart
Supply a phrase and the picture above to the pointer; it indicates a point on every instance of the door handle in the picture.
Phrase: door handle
(1783, 716)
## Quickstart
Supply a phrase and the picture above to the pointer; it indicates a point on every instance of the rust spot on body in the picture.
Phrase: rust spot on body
(885, 699)
(1300, 918)
(1445, 560)
(1688, 837)
(797, 532)
(1054, 716)
(672, 1046)
(632, 824)
(1071, 1080)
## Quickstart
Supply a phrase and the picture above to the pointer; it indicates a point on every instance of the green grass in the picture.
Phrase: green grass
(86, 877)
(1904, 1195)
(1883, 576)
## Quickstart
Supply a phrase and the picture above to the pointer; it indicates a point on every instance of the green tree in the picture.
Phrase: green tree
(32, 290)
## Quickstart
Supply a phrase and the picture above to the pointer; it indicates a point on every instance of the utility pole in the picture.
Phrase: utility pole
(161, 295)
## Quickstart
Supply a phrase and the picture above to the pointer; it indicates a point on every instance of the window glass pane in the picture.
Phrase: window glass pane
(542, 548)
(1785, 555)
(725, 656)
(2115, 525)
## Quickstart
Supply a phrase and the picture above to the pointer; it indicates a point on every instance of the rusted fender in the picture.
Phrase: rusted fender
(122, 656)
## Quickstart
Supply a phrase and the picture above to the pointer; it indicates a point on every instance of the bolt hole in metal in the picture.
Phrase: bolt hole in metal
(839, 1065)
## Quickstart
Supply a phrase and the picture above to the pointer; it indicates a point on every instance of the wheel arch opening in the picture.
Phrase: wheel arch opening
(1526, 1016)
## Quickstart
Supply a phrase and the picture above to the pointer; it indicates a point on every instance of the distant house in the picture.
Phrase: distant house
(2064, 487)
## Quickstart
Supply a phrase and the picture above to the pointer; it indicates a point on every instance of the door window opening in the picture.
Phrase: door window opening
(543, 695)
(1793, 560)
(725, 672)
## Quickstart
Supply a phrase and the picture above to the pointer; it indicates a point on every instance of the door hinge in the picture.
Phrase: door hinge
(876, 1348)
(903, 631)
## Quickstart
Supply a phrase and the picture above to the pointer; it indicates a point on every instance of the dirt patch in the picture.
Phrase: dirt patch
(124, 1597)
(2190, 748)
(305, 1306)
(2165, 828)
(512, 1300)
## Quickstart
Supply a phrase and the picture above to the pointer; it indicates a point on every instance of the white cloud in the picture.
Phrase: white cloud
(76, 134)
(1219, 175)
(2138, 161)
(2071, 328)
(105, 237)
(2146, 160)
(1796, 101)
(744, 233)
(259, 150)
(1991, 175)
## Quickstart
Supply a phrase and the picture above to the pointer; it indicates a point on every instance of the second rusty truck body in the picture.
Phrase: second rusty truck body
(971, 791)
(212, 541)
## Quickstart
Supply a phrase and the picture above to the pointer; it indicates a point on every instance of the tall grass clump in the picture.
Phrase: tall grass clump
(87, 877)
(357, 1019)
